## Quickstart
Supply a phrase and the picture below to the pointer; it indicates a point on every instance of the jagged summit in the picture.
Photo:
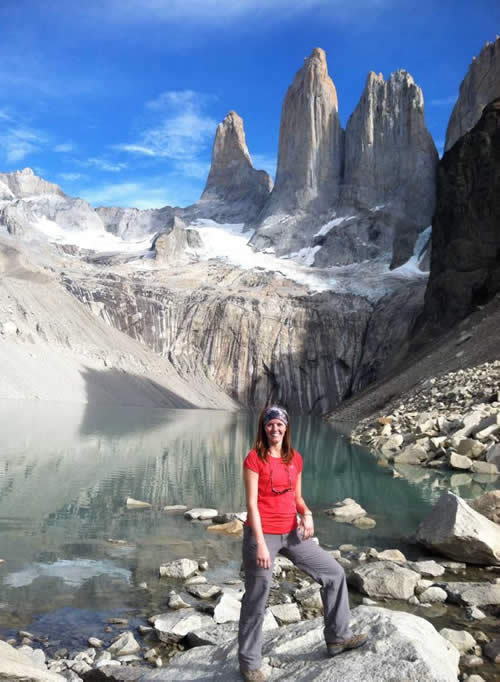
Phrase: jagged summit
(232, 180)
(311, 141)
(390, 157)
(480, 86)
(25, 183)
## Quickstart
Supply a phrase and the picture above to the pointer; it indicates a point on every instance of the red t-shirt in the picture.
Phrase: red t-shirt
(278, 513)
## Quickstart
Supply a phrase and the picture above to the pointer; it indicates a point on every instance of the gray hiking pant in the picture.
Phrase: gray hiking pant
(311, 559)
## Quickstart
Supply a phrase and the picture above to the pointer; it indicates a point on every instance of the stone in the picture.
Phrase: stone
(282, 563)
(200, 513)
(234, 188)
(479, 87)
(412, 454)
(175, 507)
(387, 146)
(492, 650)
(172, 627)
(176, 602)
(234, 527)
(469, 447)
(286, 613)
(484, 468)
(391, 555)
(460, 639)
(227, 609)
(426, 568)
(473, 593)
(493, 455)
(95, 642)
(137, 504)
(488, 505)
(457, 531)
(391, 444)
(384, 580)
(400, 646)
(347, 510)
(433, 595)
(115, 672)
(309, 597)
(473, 613)
(204, 591)
(466, 215)
(195, 580)
(459, 461)
(124, 645)
(180, 568)
(471, 661)
(364, 522)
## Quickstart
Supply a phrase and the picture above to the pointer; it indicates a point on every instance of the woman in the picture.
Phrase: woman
(273, 484)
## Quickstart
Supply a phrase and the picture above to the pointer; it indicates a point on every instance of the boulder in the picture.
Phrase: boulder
(492, 650)
(309, 597)
(391, 555)
(384, 580)
(460, 639)
(488, 505)
(17, 666)
(433, 595)
(493, 455)
(204, 591)
(234, 527)
(473, 594)
(200, 513)
(401, 646)
(172, 627)
(228, 609)
(124, 645)
(286, 613)
(459, 461)
(412, 454)
(347, 510)
(455, 530)
(180, 568)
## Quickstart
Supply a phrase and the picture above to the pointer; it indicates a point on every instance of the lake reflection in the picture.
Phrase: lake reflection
(66, 471)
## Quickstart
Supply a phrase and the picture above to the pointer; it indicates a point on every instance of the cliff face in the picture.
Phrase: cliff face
(390, 157)
(25, 183)
(480, 86)
(465, 265)
(311, 142)
(256, 336)
(234, 187)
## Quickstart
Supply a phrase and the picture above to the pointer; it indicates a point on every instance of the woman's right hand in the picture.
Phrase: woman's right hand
(263, 556)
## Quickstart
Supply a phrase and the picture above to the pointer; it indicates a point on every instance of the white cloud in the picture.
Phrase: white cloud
(72, 177)
(104, 165)
(193, 169)
(181, 131)
(4, 116)
(264, 162)
(129, 194)
(62, 148)
(20, 142)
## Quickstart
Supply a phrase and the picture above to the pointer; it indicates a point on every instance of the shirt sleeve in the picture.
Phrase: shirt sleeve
(252, 462)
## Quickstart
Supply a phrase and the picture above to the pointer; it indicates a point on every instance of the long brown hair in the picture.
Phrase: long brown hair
(261, 445)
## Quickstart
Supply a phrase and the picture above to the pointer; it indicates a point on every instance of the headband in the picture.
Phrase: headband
(275, 412)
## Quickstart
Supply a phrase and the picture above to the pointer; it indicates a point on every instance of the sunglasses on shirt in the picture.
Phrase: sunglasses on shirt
(286, 490)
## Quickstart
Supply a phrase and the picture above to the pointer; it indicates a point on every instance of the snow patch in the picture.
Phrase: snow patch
(411, 268)
(333, 223)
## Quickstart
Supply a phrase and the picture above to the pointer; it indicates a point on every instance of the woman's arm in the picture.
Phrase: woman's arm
(306, 522)
(251, 479)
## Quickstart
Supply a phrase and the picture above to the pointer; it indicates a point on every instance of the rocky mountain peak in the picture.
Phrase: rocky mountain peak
(390, 157)
(234, 191)
(311, 141)
(25, 183)
(480, 86)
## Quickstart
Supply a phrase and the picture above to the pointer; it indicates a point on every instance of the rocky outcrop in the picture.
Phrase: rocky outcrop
(311, 142)
(480, 86)
(233, 185)
(134, 223)
(459, 532)
(25, 183)
(465, 269)
(390, 157)
(400, 646)
(16, 665)
(175, 245)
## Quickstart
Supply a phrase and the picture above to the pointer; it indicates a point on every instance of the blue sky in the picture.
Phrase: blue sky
(118, 100)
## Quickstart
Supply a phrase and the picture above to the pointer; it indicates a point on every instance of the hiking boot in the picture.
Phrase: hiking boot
(252, 675)
(335, 648)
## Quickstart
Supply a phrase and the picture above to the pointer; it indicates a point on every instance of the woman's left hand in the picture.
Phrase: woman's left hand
(307, 525)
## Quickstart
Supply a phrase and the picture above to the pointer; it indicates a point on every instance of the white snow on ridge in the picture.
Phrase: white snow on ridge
(412, 266)
(331, 224)
(93, 240)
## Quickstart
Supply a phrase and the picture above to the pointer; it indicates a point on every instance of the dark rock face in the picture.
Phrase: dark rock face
(465, 259)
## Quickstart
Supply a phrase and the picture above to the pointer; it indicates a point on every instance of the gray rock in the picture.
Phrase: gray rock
(488, 505)
(172, 627)
(484, 468)
(492, 650)
(227, 609)
(204, 591)
(176, 602)
(137, 504)
(387, 147)
(309, 597)
(459, 462)
(479, 87)
(412, 454)
(426, 568)
(433, 595)
(234, 191)
(391, 555)
(400, 647)
(124, 645)
(473, 594)
(493, 455)
(286, 613)
(180, 568)
(460, 639)
(459, 532)
(384, 580)
(203, 514)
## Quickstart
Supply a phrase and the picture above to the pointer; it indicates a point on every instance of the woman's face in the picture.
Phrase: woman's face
(275, 431)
